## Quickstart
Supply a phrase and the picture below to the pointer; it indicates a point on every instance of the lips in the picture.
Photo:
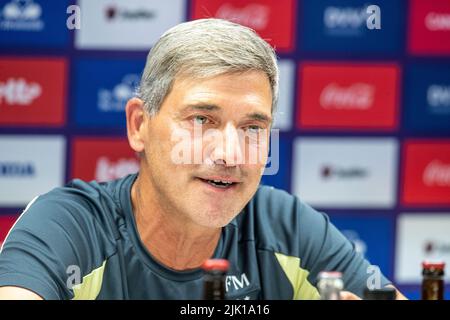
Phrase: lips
(220, 182)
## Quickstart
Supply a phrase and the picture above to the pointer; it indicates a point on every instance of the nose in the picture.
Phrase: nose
(226, 148)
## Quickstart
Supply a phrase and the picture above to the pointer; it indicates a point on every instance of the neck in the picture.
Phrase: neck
(171, 238)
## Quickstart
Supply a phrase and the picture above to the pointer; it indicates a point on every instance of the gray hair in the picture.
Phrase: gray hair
(201, 49)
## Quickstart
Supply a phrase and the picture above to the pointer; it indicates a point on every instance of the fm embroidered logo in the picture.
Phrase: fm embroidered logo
(29, 96)
(235, 283)
(102, 159)
(341, 96)
(430, 27)
(274, 20)
(426, 173)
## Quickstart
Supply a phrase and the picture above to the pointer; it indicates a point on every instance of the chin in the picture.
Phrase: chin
(215, 220)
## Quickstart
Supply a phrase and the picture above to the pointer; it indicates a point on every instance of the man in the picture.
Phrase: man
(205, 109)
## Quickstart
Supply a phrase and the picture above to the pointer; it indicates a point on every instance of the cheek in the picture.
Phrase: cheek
(256, 155)
(256, 173)
(158, 148)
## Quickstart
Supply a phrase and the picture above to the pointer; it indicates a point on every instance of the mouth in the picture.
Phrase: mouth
(219, 184)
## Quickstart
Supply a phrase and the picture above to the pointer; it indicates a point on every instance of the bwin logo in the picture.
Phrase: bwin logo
(236, 283)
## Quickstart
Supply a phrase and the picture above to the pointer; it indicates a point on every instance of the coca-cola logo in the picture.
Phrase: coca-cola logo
(255, 15)
(437, 21)
(437, 173)
(356, 96)
(19, 92)
(107, 170)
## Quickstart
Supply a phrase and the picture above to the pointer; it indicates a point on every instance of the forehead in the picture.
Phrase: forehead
(250, 88)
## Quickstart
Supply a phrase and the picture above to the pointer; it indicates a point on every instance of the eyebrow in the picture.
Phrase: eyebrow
(203, 107)
(259, 116)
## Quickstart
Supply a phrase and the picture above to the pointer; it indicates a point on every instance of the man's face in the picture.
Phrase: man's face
(205, 150)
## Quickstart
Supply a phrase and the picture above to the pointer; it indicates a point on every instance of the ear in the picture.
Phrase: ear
(136, 120)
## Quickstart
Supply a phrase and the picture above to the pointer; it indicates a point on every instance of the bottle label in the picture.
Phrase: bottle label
(432, 290)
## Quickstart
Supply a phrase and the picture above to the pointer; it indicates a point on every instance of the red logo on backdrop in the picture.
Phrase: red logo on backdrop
(430, 27)
(274, 20)
(6, 222)
(32, 92)
(335, 96)
(102, 159)
(427, 173)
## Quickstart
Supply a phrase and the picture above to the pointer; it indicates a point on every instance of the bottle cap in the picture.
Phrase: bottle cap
(216, 264)
(437, 265)
(330, 275)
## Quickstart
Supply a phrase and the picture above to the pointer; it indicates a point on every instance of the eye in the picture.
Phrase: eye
(254, 129)
(200, 119)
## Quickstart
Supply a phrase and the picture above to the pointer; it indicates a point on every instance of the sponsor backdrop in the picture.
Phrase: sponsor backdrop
(364, 112)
